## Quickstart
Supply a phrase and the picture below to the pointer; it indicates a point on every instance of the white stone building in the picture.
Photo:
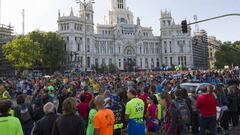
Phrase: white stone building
(122, 42)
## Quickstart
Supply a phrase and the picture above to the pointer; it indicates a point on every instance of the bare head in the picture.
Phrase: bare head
(131, 93)
(48, 108)
(99, 101)
(69, 106)
(5, 106)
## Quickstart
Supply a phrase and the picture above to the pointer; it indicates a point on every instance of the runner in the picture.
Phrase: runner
(104, 118)
(134, 114)
(9, 125)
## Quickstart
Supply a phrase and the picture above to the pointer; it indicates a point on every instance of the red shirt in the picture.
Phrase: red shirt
(207, 104)
(144, 98)
(83, 109)
(88, 97)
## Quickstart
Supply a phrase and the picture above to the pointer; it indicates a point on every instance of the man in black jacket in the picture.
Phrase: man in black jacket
(69, 123)
(44, 126)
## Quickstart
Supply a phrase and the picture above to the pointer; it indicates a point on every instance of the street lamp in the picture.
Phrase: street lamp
(71, 55)
(85, 4)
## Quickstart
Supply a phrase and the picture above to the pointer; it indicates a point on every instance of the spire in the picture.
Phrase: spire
(59, 14)
(173, 22)
(71, 13)
(138, 21)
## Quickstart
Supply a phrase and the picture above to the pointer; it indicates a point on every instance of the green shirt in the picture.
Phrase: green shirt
(10, 125)
(135, 108)
(90, 129)
(160, 114)
(51, 90)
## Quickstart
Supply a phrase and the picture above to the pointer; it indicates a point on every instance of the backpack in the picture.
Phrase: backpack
(184, 112)
(24, 113)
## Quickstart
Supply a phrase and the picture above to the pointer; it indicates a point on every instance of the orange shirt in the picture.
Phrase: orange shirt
(104, 122)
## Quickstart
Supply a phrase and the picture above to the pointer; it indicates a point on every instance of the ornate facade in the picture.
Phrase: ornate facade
(122, 42)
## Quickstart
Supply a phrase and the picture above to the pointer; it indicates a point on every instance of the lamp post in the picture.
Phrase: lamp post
(85, 4)
(73, 61)
(71, 55)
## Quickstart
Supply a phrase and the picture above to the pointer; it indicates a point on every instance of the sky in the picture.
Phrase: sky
(43, 14)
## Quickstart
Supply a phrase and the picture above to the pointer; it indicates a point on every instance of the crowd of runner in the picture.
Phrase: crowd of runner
(141, 103)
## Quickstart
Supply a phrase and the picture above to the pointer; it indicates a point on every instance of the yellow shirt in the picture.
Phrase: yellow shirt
(135, 108)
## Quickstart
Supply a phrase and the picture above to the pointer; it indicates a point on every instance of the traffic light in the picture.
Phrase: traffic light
(184, 26)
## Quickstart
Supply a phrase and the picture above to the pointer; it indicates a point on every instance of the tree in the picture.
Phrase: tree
(95, 67)
(103, 68)
(112, 68)
(228, 54)
(22, 52)
(52, 49)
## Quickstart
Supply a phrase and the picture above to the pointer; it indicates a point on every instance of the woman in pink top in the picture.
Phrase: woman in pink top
(151, 116)
(83, 108)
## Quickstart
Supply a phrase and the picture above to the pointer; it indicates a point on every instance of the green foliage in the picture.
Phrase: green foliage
(53, 49)
(103, 68)
(111, 68)
(22, 52)
(41, 49)
(228, 54)
(173, 67)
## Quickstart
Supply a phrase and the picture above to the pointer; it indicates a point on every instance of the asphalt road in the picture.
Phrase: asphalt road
(235, 131)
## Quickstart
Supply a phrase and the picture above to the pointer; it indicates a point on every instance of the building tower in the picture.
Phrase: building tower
(165, 29)
(166, 19)
(117, 5)
(118, 13)
(89, 15)
(176, 47)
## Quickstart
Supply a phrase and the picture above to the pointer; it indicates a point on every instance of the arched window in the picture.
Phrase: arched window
(122, 20)
(129, 52)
